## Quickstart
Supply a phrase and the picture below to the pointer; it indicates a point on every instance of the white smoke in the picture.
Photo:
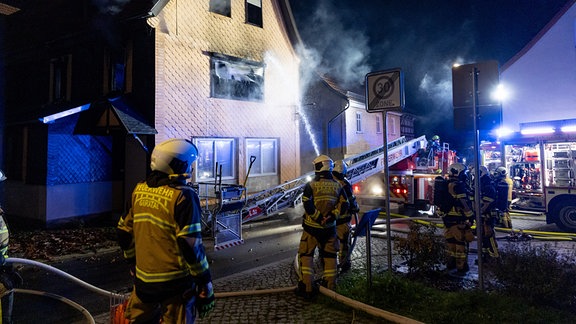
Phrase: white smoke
(335, 50)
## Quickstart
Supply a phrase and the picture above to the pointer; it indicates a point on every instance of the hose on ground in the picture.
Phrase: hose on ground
(537, 235)
(65, 300)
(367, 308)
(65, 275)
(374, 311)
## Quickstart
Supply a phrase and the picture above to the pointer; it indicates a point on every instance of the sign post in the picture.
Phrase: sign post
(474, 106)
(384, 92)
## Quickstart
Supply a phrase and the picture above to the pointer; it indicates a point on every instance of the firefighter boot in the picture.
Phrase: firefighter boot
(300, 291)
(345, 266)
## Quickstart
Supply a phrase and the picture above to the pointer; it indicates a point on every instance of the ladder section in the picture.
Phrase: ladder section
(370, 163)
(267, 202)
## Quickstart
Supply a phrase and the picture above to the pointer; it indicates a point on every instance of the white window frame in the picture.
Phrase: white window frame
(232, 158)
(358, 122)
(254, 14)
(261, 160)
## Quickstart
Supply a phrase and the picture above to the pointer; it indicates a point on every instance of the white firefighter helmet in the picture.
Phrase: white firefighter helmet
(2, 176)
(340, 167)
(323, 163)
(483, 171)
(457, 168)
(500, 172)
(173, 156)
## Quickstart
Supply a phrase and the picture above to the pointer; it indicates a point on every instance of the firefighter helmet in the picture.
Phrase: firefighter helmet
(457, 169)
(435, 138)
(173, 156)
(323, 163)
(340, 167)
(483, 171)
(2, 176)
(500, 172)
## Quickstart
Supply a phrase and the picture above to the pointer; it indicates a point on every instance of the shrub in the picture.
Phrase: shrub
(539, 274)
(421, 249)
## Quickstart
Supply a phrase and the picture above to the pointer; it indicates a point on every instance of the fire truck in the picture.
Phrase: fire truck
(543, 172)
(411, 179)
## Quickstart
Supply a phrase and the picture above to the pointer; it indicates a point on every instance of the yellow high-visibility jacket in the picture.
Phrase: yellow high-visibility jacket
(161, 234)
(323, 196)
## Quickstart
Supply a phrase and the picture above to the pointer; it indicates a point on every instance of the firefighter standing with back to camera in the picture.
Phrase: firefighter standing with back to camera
(324, 201)
(504, 187)
(488, 197)
(161, 239)
(458, 219)
(343, 223)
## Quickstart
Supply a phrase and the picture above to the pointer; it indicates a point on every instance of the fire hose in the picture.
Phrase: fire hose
(61, 273)
(329, 293)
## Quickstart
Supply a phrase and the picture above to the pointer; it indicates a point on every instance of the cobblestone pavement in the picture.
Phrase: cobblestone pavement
(285, 307)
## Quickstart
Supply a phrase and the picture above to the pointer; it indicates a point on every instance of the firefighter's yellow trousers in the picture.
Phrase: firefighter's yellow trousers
(327, 251)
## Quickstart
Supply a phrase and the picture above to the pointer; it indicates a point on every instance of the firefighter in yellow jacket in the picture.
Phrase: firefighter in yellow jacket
(324, 201)
(161, 239)
(9, 278)
(458, 220)
(343, 222)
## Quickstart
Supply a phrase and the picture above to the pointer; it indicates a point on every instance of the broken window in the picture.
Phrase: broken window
(222, 7)
(233, 78)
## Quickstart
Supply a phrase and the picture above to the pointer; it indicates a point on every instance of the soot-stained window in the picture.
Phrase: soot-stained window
(238, 79)
(221, 7)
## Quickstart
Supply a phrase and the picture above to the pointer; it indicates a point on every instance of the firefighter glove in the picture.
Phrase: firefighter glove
(205, 300)
(328, 218)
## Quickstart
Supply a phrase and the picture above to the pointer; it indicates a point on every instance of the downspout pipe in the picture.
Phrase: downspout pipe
(332, 120)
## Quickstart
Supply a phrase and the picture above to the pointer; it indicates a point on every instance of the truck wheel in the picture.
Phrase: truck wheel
(566, 217)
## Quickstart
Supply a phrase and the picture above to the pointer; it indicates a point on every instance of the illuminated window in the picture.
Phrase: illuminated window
(221, 7)
(60, 79)
(266, 153)
(358, 122)
(215, 155)
(254, 12)
(378, 124)
(234, 78)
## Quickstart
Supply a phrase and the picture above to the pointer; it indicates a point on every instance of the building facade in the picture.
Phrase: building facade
(335, 122)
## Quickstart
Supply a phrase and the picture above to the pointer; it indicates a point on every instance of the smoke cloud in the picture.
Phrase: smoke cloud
(423, 38)
(334, 49)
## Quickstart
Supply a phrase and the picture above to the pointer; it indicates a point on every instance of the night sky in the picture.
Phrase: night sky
(347, 39)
